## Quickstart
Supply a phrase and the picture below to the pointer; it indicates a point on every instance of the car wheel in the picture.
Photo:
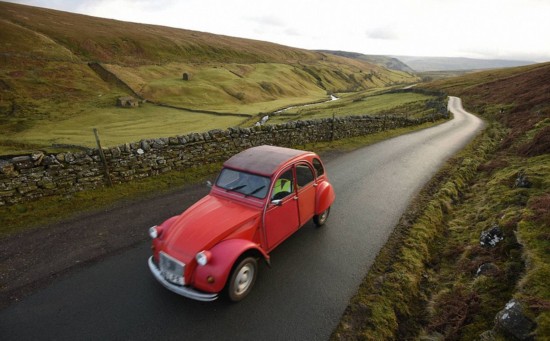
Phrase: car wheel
(242, 279)
(321, 219)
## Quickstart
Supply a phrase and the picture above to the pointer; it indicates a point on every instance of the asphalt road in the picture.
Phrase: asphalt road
(303, 295)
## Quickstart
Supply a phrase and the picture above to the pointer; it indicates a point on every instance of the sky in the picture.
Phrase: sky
(485, 29)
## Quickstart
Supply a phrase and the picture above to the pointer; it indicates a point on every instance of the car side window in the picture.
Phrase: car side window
(318, 167)
(304, 175)
(283, 186)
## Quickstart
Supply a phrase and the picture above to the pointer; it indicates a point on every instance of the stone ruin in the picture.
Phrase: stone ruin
(127, 102)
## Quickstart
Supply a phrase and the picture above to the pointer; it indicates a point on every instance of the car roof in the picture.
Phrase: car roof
(264, 160)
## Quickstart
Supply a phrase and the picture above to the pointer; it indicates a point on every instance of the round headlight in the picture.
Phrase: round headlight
(203, 257)
(153, 232)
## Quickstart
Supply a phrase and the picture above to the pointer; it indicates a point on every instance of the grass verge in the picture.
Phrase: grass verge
(44, 211)
(388, 304)
(433, 280)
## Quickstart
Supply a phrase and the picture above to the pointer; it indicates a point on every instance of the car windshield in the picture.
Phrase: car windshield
(242, 182)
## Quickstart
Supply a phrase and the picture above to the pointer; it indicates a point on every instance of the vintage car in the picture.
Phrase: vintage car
(261, 197)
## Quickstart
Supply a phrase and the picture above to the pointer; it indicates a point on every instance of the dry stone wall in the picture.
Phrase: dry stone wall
(28, 177)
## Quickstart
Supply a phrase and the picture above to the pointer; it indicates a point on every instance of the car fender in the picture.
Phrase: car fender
(325, 197)
(157, 242)
(223, 257)
(168, 222)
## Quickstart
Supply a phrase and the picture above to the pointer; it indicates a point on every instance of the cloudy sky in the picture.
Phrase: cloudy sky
(488, 29)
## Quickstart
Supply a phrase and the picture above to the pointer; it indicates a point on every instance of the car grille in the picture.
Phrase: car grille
(171, 269)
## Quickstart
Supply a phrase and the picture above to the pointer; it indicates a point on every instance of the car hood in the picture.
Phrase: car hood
(206, 223)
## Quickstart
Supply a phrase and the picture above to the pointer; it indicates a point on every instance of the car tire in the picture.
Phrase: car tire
(242, 279)
(321, 219)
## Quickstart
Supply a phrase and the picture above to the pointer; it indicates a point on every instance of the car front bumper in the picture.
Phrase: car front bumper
(180, 290)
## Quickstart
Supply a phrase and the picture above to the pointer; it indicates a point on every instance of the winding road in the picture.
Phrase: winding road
(303, 295)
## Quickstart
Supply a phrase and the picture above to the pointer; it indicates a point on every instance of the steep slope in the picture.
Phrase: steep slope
(518, 97)
(388, 62)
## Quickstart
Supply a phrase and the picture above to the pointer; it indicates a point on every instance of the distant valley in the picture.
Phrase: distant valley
(415, 64)
(423, 64)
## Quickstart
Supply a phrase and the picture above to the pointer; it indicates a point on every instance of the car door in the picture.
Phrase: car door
(282, 215)
(306, 189)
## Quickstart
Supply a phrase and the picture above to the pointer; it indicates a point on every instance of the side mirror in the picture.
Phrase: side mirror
(277, 202)
(209, 184)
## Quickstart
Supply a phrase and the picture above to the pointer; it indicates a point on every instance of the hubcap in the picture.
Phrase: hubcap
(323, 216)
(244, 279)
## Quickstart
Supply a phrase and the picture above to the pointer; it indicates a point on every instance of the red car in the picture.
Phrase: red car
(261, 197)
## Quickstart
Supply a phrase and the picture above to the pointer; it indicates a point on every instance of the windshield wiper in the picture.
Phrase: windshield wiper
(255, 191)
(235, 188)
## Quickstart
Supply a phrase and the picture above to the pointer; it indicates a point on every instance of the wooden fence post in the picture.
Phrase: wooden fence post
(102, 156)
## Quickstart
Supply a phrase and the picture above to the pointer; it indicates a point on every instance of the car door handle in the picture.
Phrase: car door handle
(295, 198)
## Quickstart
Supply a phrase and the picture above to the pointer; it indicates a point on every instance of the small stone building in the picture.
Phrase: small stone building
(186, 76)
(127, 102)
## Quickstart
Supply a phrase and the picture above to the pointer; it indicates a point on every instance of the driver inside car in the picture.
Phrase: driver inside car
(282, 187)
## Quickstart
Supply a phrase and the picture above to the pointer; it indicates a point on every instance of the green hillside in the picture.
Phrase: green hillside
(61, 74)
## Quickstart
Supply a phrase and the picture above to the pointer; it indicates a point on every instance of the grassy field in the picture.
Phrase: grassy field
(120, 125)
(378, 102)
(233, 88)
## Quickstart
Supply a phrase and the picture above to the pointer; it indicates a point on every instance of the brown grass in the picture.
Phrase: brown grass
(517, 97)
(125, 43)
(541, 209)
(539, 145)
(452, 308)
(493, 165)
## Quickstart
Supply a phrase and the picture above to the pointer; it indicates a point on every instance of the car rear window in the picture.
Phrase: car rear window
(304, 175)
(318, 167)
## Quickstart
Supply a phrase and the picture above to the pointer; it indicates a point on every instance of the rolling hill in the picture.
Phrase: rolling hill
(388, 62)
(416, 64)
(62, 72)
(518, 97)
